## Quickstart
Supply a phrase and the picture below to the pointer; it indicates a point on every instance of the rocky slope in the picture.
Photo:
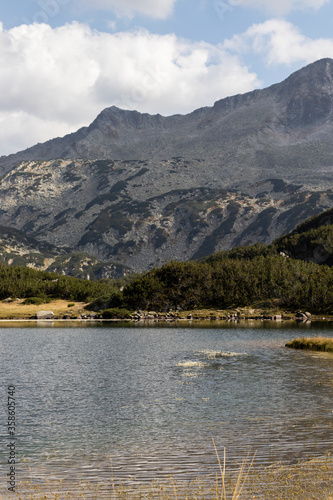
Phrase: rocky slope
(152, 188)
(17, 249)
(113, 211)
(283, 131)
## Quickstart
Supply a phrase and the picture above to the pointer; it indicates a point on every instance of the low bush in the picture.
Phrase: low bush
(116, 313)
(36, 300)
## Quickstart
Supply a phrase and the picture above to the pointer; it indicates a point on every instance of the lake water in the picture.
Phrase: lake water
(150, 399)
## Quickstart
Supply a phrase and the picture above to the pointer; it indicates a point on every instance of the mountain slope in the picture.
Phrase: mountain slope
(123, 212)
(18, 249)
(136, 190)
(283, 131)
(311, 241)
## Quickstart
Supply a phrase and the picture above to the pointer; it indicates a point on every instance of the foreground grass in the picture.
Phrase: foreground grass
(324, 344)
(311, 480)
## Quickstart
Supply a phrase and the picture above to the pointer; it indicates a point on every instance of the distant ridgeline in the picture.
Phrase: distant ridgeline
(279, 275)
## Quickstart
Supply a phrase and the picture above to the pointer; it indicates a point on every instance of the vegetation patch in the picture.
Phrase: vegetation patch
(160, 237)
(26, 283)
(313, 344)
(233, 282)
(99, 200)
(116, 313)
(71, 177)
(37, 300)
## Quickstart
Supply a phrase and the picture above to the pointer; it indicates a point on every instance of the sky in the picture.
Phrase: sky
(63, 61)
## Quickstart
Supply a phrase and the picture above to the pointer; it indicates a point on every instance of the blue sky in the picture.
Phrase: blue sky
(63, 61)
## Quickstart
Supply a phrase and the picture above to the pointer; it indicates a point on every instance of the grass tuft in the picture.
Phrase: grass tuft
(324, 344)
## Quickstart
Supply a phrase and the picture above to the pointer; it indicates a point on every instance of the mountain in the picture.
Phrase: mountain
(283, 131)
(135, 189)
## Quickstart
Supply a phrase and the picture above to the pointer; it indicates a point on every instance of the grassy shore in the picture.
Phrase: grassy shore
(19, 310)
(324, 344)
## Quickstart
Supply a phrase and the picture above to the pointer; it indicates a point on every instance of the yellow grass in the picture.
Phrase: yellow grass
(324, 344)
(19, 310)
(312, 480)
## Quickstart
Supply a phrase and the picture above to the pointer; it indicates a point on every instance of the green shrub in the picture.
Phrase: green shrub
(36, 300)
(112, 300)
(116, 313)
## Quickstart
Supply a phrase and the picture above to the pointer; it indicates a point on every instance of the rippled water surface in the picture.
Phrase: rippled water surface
(151, 399)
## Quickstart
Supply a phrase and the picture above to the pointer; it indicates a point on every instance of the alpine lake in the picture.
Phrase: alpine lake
(111, 404)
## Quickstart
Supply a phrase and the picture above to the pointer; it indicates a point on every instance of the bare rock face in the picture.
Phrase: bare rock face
(133, 189)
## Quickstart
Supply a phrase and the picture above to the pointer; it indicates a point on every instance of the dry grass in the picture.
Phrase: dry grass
(324, 344)
(19, 310)
(312, 480)
(219, 487)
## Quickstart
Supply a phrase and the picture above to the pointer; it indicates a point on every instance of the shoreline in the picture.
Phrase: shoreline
(150, 321)
(59, 310)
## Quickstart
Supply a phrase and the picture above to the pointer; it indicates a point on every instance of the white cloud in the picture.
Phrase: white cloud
(280, 42)
(54, 81)
(152, 8)
(281, 6)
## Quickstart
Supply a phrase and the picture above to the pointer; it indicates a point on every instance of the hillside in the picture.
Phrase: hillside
(259, 276)
(311, 241)
(133, 190)
(288, 274)
(18, 249)
(111, 210)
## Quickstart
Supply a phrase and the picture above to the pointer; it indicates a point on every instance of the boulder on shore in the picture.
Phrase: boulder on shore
(45, 315)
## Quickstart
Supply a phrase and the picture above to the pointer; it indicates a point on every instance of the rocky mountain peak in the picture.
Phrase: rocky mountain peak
(308, 95)
(119, 118)
(313, 76)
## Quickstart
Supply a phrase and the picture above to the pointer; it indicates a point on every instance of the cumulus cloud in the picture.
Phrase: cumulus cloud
(280, 42)
(152, 8)
(281, 7)
(54, 81)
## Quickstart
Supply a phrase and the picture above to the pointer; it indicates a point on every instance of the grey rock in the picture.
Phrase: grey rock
(45, 315)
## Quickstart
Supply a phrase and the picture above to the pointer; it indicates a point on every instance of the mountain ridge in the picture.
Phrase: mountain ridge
(252, 132)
